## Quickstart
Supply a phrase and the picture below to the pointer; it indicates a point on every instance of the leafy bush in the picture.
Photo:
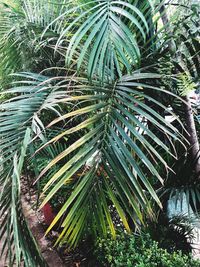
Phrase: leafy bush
(139, 251)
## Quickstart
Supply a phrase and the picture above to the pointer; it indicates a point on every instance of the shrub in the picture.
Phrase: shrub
(139, 251)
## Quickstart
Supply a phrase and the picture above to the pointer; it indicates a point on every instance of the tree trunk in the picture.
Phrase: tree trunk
(192, 135)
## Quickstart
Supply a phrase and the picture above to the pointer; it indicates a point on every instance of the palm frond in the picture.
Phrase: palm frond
(121, 158)
(22, 111)
(19, 244)
(21, 46)
(98, 32)
(189, 46)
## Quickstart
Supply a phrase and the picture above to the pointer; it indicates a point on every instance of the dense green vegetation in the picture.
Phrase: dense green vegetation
(85, 89)
(139, 251)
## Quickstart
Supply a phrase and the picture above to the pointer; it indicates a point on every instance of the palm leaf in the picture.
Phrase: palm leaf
(17, 114)
(19, 243)
(21, 27)
(122, 158)
(98, 28)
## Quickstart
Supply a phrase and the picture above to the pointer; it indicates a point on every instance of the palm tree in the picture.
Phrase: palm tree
(93, 64)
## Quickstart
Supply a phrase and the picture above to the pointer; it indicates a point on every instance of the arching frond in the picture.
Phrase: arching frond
(121, 157)
(106, 32)
(18, 243)
(16, 115)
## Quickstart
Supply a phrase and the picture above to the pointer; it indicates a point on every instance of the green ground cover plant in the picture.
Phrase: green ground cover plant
(139, 251)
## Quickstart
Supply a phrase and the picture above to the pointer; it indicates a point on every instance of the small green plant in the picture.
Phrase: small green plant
(185, 84)
(139, 251)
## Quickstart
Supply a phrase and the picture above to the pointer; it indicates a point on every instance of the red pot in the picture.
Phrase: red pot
(49, 215)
